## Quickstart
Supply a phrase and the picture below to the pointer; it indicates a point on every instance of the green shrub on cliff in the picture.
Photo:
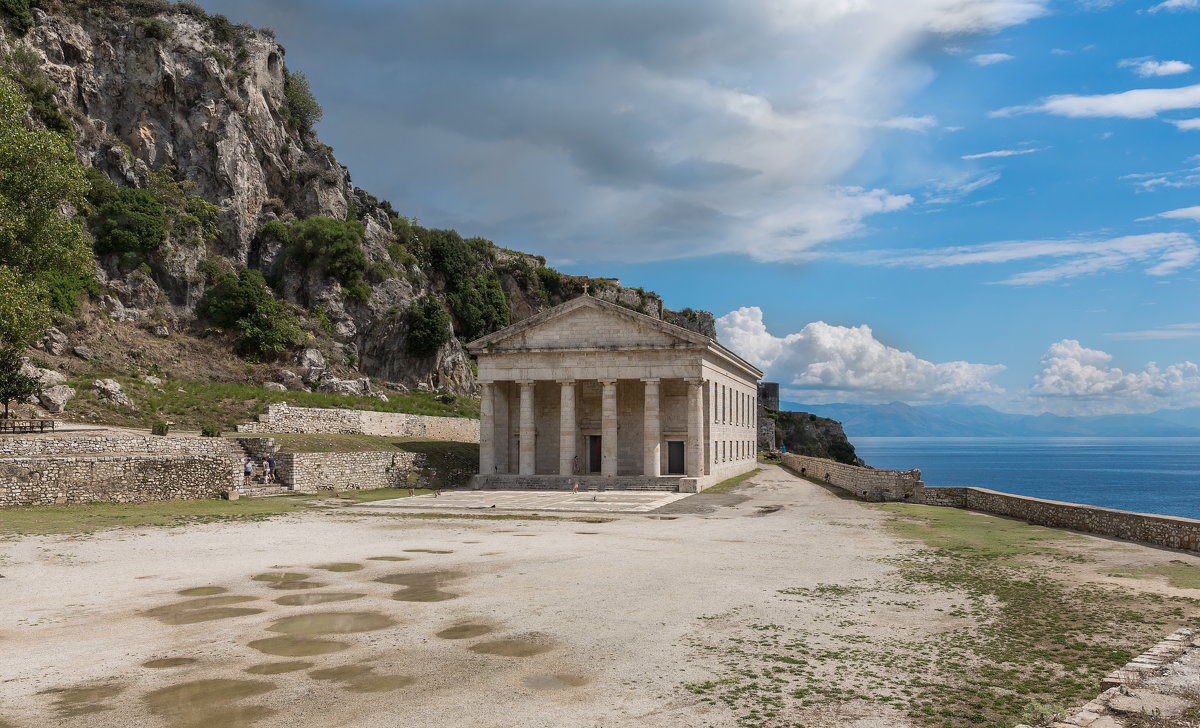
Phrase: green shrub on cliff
(244, 304)
(303, 109)
(428, 327)
(127, 219)
(328, 246)
(19, 14)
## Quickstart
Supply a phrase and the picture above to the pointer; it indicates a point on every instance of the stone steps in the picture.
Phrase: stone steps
(264, 491)
(586, 484)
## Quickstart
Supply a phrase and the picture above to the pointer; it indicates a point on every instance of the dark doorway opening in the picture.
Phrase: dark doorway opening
(675, 458)
(595, 453)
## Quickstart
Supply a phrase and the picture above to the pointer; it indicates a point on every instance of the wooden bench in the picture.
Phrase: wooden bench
(26, 426)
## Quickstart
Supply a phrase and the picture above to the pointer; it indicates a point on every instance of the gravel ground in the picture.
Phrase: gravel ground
(616, 612)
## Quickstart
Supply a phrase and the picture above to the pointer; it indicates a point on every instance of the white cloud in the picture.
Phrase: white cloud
(987, 59)
(954, 190)
(1159, 254)
(1175, 6)
(1172, 331)
(824, 363)
(1004, 153)
(910, 123)
(1183, 213)
(1142, 103)
(1185, 124)
(1078, 380)
(1147, 67)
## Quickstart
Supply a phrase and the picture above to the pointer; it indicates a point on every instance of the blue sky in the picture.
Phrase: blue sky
(985, 201)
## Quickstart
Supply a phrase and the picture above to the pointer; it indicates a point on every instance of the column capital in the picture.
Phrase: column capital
(607, 382)
(526, 382)
(695, 381)
(567, 381)
(651, 380)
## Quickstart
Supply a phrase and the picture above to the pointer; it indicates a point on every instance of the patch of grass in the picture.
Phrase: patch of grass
(489, 517)
(971, 533)
(726, 486)
(1179, 574)
(87, 518)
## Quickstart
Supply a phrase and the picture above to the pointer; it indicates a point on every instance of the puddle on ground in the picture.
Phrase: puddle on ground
(663, 518)
(205, 609)
(492, 553)
(379, 683)
(73, 702)
(205, 703)
(294, 585)
(340, 566)
(332, 623)
(426, 551)
(168, 662)
(302, 600)
(588, 533)
(280, 576)
(345, 672)
(512, 648)
(202, 591)
(466, 630)
(278, 668)
(423, 594)
(297, 646)
(389, 558)
(527, 535)
(472, 541)
(556, 681)
(423, 586)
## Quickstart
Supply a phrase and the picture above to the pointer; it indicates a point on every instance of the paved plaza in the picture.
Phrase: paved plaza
(609, 501)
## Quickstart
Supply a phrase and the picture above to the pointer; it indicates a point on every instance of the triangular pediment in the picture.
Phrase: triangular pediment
(584, 323)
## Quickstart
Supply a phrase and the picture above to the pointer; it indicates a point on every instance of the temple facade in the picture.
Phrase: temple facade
(594, 392)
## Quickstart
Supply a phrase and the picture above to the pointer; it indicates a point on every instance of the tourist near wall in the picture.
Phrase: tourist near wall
(864, 483)
(1169, 531)
(310, 472)
(114, 479)
(283, 418)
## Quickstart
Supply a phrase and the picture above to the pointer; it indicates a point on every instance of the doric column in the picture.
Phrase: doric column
(528, 449)
(568, 430)
(652, 432)
(487, 428)
(695, 420)
(608, 428)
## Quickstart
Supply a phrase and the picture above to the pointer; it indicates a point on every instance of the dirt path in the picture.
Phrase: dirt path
(620, 623)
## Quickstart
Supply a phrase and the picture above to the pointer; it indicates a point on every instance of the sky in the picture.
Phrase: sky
(930, 201)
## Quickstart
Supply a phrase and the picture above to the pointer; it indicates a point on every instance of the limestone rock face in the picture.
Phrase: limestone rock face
(44, 377)
(111, 390)
(55, 342)
(55, 399)
(274, 387)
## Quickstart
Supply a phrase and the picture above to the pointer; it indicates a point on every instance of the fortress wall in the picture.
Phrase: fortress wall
(864, 483)
(310, 472)
(115, 479)
(112, 443)
(281, 418)
(1169, 531)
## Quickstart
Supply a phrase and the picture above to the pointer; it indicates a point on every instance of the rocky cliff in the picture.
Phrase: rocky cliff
(803, 433)
(149, 88)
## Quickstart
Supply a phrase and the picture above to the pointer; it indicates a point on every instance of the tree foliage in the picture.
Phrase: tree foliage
(127, 219)
(20, 14)
(428, 327)
(244, 304)
(328, 246)
(39, 246)
(303, 110)
(14, 386)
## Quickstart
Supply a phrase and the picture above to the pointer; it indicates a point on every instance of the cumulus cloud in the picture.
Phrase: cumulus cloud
(1141, 103)
(1003, 153)
(1183, 213)
(623, 130)
(1147, 67)
(1185, 124)
(1175, 6)
(987, 59)
(824, 363)
(1158, 254)
(1079, 380)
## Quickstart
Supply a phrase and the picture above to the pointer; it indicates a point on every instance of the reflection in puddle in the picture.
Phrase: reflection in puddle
(168, 662)
(345, 672)
(423, 586)
(466, 630)
(84, 701)
(202, 591)
(202, 610)
(297, 646)
(588, 533)
(332, 623)
(423, 594)
(294, 585)
(388, 558)
(300, 600)
(426, 551)
(511, 648)
(527, 535)
(340, 566)
(556, 681)
(280, 576)
(277, 668)
(207, 703)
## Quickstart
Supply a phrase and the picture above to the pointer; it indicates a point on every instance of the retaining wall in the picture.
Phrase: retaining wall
(115, 479)
(111, 443)
(1169, 531)
(312, 471)
(284, 418)
(865, 483)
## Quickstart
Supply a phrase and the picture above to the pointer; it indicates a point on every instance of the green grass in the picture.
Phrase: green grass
(726, 486)
(1179, 574)
(226, 404)
(972, 533)
(87, 518)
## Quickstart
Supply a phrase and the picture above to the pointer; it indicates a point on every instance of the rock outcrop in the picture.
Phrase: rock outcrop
(806, 434)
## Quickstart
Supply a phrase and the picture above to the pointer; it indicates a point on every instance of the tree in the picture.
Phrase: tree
(302, 107)
(243, 303)
(14, 386)
(39, 245)
(428, 327)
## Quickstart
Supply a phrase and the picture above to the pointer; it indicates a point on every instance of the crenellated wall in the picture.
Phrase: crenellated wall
(282, 418)
(865, 483)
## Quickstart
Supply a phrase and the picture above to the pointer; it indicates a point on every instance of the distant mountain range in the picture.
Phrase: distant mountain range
(950, 420)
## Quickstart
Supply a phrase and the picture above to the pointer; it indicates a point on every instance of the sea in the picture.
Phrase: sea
(1144, 474)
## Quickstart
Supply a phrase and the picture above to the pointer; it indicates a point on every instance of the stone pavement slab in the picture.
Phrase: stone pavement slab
(609, 501)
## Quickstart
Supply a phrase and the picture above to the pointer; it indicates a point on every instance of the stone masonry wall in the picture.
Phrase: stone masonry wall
(280, 418)
(114, 479)
(112, 443)
(310, 472)
(1169, 531)
(865, 483)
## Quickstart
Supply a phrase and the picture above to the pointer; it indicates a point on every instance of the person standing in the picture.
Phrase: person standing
(247, 472)
(271, 464)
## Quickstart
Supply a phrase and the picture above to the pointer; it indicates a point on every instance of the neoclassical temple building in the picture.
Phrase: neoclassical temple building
(593, 391)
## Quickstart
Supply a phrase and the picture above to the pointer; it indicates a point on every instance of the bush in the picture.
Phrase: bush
(303, 110)
(127, 219)
(332, 247)
(210, 431)
(243, 303)
(20, 15)
(428, 327)
(160, 428)
(156, 28)
(63, 289)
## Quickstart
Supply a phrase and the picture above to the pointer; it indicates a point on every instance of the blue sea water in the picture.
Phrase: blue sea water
(1143, 474)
